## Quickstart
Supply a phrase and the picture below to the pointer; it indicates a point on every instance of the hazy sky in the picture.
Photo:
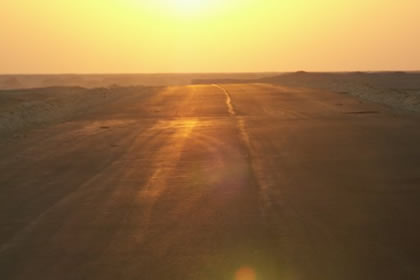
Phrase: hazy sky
(119, 36)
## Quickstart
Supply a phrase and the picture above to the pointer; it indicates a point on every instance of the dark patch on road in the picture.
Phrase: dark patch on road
(362, 112)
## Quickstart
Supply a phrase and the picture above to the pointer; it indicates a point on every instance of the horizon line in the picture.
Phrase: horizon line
(201, 73)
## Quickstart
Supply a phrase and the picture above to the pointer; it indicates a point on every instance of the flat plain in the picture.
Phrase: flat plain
(209, 181)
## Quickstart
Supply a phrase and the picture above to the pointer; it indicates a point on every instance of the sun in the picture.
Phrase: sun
(187, 9)
(190, 7)
(186, 4)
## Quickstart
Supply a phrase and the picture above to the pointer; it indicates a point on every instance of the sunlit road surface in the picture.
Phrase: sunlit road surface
(237, 182)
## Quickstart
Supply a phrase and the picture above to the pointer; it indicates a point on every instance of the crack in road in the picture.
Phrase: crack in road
(228, 100)
(255, 164)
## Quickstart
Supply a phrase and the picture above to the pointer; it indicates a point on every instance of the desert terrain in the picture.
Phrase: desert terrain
(399, 90)
(112, 80)
(261, 176)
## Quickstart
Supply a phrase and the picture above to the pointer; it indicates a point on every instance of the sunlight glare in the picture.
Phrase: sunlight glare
(190, 7)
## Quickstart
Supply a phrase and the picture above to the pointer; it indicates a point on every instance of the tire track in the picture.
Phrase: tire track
(255, 164)
(228, 100)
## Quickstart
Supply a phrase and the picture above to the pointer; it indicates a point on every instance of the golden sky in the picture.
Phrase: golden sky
(123, 36)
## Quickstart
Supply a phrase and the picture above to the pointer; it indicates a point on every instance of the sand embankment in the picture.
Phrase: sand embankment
(400, 90)
(28, 108)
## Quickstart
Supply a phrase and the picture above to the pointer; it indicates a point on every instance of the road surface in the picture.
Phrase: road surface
(239, 181)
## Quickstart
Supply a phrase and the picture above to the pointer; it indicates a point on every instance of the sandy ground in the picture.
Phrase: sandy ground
(215, 182)
(109, 80)
(24, 109)
(399, 90)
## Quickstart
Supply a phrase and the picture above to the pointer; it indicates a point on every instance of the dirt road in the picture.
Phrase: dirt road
(215, 182)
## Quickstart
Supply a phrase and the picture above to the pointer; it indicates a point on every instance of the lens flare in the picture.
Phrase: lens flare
(245, 273)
